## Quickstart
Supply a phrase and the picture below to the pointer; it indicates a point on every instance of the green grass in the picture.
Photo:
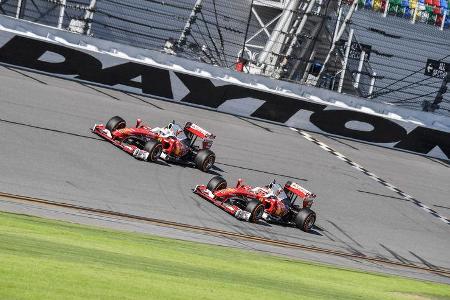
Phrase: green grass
(44, 259)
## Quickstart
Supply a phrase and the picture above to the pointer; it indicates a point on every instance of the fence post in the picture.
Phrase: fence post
(372, 83)
(89, 15)
(338, 37)
(278, 33)
(360, 66)
(297, 33)
(338, 24)
(444, 15)
(414, 15)
(19, 7)
(61, 13)
(344, 66)
(386, 8)
(308, 66)
(192, 18)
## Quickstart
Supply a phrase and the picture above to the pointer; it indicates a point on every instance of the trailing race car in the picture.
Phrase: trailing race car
(171, 143)
(273, 203)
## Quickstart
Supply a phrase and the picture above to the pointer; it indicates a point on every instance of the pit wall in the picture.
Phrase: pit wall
(76, 57)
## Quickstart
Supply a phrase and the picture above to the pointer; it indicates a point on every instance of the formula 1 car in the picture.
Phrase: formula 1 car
(171, 143)
(273, 203)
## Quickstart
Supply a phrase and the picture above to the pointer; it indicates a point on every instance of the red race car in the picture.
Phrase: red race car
(273, 203)
(172, 143)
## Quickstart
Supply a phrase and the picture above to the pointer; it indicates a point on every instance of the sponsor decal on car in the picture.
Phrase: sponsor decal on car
(140, 154)
(242, 215)
(200, 131)
(302, 191)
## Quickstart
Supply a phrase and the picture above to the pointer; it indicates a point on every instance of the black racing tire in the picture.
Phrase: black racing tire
(216, 183)
(256, 209)
(154, 149)
(305, 219)
(116, 123)
(204, 160)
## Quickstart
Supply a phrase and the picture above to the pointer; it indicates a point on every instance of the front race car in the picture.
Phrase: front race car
(172, 143)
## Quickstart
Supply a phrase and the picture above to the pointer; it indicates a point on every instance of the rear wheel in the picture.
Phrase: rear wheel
(256, 210)
(115, 123)
(216, 183)
(305, 219)
(154, 149)
(204, 160)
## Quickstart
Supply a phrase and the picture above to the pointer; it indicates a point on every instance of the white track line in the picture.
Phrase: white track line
(360, 168)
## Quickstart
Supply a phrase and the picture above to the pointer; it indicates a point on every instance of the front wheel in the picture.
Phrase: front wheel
(256, 210)
(204, 160)
(305, 219)
(154, 149)
(216, 183)
(115, 123)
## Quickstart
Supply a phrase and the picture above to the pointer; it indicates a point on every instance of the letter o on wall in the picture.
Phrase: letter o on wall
(334, 121)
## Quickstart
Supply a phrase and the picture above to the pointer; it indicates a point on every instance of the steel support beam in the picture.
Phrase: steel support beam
(338, 37)
(278, 35)
(187, 27)
(297, 33)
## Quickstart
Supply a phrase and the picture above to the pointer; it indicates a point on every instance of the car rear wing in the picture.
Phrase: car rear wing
(194, 129)
(299, 191)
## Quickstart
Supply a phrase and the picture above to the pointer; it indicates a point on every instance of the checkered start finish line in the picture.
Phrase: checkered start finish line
(391, 187)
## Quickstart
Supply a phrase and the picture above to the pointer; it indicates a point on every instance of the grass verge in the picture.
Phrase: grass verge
(45, 259)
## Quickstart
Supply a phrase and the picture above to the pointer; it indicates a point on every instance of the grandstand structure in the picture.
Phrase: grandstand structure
(376, 49)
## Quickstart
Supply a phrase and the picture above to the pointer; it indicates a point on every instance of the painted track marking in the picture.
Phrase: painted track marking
(360, 168)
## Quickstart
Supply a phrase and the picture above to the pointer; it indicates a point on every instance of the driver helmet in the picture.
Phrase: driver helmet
(170, 131)
(271, 191)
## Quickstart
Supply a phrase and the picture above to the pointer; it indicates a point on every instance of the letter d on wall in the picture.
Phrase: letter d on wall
(26, 52)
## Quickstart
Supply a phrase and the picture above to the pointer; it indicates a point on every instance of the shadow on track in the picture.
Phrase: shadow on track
(396, 255)
(340, 142)
(186, 165)
(424, 261)
(313, 231)
(440, 206)
(25, 75)
(346, 234)
(348, 246)
(142, 100)
(254, 124)
(99, 91)
(440, 161)
(382, 195)
(261, 171)
(159, 162)
(52, 130)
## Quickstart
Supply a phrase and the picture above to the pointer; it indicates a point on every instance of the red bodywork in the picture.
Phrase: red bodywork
(171, 145)
(117, 136)
(274, 206)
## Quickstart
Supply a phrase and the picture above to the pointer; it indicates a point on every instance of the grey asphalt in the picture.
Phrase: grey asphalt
(48, 151)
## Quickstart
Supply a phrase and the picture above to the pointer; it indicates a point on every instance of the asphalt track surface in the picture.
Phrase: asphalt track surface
(47, 151)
